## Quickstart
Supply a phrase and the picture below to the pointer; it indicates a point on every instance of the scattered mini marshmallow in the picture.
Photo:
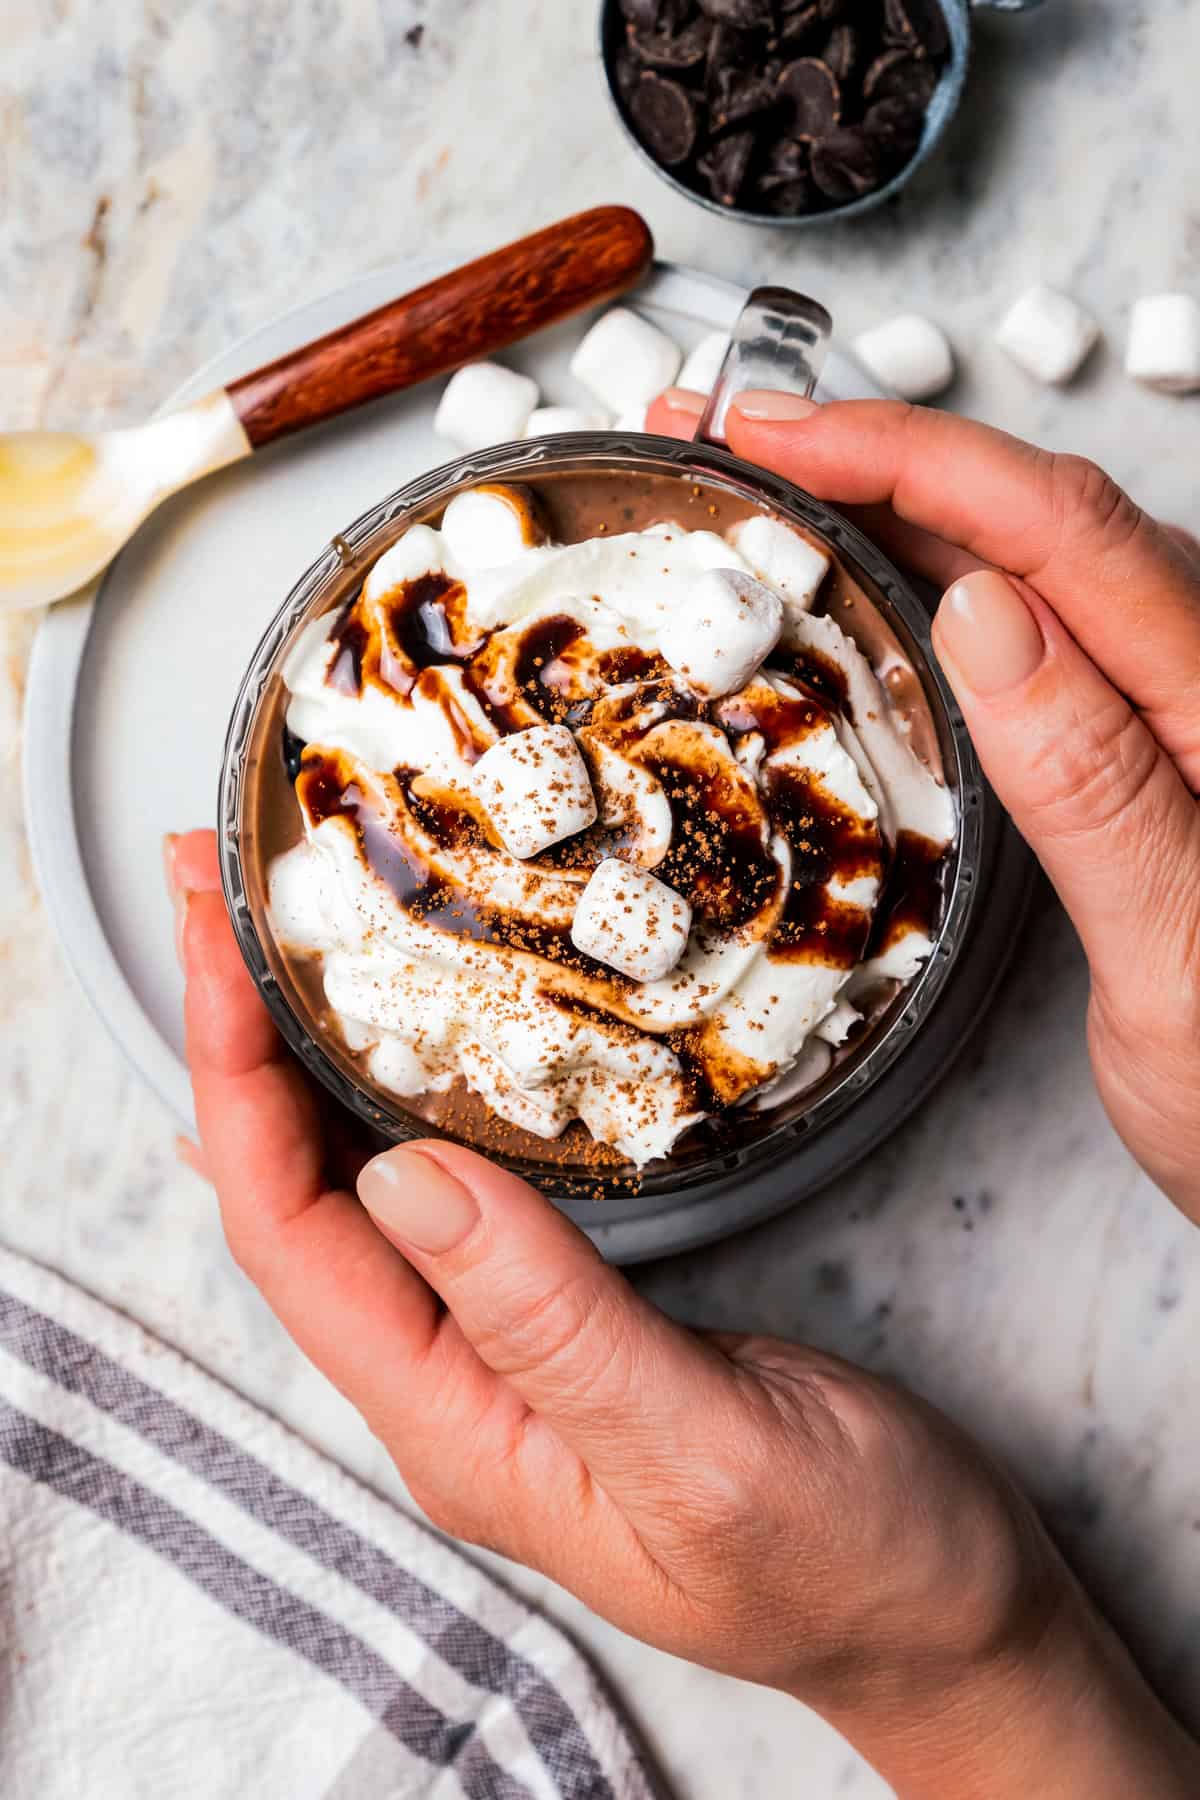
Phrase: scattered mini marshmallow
(702, 365)
(548, 421)
(1164, 343)
(909, 354)
(785, 561)
(632, 419)
(731, 623)
(1048, 334)
(625, 361)
(535, 789)
(484, 404)
(484, 528)
(630, 920)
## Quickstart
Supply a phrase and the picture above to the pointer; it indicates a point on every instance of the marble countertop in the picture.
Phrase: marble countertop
(173, 172)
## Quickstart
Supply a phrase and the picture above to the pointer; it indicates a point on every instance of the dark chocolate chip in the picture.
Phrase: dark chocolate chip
(895, 128)
(665, 115)
(879, 68)
(739, 98)
(658, 15)
(897, 76)
(674, 52)
(811, 97)
(803, 27)
(841, 52)
(642, 13)
(727, 164)
(787, 199)
(847, 164)
(753, 15)
(730, 49)
(629, 72)
(921, 23)
(786, 159)
(719, 84)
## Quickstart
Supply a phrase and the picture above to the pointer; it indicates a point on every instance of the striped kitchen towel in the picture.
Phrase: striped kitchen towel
(195, 1603)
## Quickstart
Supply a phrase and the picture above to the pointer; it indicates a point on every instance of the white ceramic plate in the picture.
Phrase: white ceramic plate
(129, 695)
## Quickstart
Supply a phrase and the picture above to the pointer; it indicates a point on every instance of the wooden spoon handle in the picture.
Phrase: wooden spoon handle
(469, 313)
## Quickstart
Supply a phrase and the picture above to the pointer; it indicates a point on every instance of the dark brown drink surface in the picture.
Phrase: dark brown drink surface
(715, 859)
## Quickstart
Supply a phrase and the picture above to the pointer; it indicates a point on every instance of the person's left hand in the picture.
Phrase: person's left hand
(758, 1507)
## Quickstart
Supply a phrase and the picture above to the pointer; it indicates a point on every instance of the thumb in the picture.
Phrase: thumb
(1088, 785)
(616, 1379)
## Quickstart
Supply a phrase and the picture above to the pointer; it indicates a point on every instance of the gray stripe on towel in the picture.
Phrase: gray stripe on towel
(459, 1640)
(60, 1463)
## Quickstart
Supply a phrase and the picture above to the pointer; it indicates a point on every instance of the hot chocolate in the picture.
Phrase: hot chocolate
(594, 813)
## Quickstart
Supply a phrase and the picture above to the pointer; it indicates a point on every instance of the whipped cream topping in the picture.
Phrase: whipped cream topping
(780, 814)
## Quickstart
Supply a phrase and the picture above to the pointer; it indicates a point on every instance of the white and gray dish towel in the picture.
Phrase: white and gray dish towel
(195, 1603)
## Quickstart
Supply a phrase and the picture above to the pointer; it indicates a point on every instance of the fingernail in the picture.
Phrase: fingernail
(169, 845)
(413, 1199)
(182, 900)
(764, 403)
(988, 633)
(683, 400)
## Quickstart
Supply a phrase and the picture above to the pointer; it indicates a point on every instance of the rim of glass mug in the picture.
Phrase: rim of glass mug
(940, 112)
(351, 551)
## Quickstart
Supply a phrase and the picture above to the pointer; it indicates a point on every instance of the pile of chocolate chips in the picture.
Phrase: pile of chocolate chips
(781, 106)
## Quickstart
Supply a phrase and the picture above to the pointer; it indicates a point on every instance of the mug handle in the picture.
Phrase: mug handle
(779, 342)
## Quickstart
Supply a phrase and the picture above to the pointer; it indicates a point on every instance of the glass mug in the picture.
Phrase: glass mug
(778, 342)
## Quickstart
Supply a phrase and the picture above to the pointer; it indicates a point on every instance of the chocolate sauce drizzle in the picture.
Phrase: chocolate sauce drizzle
(914, 894)
(719, 857)
(427, 621)
(811, 669)
(350, 639)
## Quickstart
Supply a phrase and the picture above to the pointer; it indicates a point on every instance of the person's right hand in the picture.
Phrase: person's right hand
(1070, 633)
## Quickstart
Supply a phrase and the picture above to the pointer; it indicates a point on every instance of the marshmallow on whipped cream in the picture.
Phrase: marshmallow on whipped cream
(535, 788)
(600, 829)
(630, 921)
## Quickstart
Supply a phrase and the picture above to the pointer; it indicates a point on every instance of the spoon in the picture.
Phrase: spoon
(69, 501)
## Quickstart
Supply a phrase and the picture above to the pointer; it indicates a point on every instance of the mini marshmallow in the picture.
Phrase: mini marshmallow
(484, 528)
(630, 920)
(786, 561)
(1048, 333)
(534, 787)
(703, 364)
(1164, 343)
(731, 622)
(632, 419)
(548, 421)
(909, 354)
(485, 404)
(625, 361)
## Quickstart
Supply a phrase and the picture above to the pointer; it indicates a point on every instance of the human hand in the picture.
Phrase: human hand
(761, 1508)
(1070, 633)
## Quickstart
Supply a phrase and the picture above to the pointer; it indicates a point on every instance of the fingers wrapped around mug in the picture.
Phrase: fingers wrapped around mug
(1085, 779)
(1125, 588)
